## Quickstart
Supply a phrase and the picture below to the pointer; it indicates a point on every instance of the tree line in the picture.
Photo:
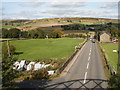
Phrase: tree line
(58, 32)
(34, 34)
(93, 27)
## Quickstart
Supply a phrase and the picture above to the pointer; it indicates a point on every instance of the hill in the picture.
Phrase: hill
(48, 22)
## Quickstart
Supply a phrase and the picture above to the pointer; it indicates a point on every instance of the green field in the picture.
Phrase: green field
(111, 56)
(45, 48)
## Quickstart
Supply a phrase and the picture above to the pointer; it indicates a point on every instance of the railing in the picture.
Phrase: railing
(90, 84)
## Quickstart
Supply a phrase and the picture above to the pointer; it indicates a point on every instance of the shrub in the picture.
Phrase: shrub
(40, 74)
(115, 81)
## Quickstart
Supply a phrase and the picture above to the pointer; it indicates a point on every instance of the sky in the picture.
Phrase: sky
(38, 9)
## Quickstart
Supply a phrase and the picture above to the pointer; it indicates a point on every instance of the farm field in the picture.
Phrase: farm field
(33, 49)
(111, 56)
(32, 24)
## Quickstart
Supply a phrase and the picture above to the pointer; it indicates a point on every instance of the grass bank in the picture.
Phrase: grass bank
(112, 57)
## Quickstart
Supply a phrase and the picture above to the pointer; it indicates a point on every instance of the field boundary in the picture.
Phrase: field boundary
(59, 70)
(109, 67)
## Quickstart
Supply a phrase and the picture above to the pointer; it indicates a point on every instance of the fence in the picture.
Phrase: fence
(91, 84)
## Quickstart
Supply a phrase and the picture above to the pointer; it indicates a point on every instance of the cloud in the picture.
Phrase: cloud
(65, 4)
(108, 11)
(71, 12)
(60, 0)
(1, 11)
(24, 0)
(32, 4)
(109, 5)
(56, 12)
(111, 0)
(36, 10)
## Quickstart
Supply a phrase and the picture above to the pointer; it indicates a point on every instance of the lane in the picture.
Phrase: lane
(96, 70)
(77, 71)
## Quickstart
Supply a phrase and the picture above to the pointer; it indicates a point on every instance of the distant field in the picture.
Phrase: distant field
(32, 24)
(111, 56)
(45, 48)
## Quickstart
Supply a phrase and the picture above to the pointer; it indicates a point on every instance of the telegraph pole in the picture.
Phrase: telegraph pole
(8, 48)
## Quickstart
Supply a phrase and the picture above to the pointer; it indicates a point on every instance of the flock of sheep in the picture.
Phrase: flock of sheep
(19, 66)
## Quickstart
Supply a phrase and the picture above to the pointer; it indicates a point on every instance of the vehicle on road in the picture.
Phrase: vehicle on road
(93, 40)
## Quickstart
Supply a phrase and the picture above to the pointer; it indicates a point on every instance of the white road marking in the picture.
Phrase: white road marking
(85, 77)
(89, 58)
(87, 65)
(90, 50)
(89, 53)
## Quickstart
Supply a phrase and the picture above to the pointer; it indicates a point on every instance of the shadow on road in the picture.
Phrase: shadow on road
(79, 83)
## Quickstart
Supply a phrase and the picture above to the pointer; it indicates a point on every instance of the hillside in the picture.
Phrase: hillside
(31, 24)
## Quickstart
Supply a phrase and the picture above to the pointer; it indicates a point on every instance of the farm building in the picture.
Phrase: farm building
(105, 37)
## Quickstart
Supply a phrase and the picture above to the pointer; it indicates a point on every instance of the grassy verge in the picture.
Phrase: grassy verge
(106, 70)
(112, 57)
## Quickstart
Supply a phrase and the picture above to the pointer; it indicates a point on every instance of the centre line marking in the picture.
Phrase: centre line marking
(90, 50)
(87, 65)
(89, 54)
(88, 58)
(85, 77)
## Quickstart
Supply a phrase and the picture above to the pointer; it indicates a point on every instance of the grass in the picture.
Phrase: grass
(51, 51)
(111, 56)
(45, 48)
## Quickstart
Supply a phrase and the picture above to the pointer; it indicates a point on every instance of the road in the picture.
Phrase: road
(87, 66)
(86, 72)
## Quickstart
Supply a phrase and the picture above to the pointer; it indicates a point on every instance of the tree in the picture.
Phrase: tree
(24, 34)
(8, 74)
(97, 35)
(5, 33)
(74, 27)
(31, 34)
(57, 33)
(41, 33)
(113, 31)
(14, 33)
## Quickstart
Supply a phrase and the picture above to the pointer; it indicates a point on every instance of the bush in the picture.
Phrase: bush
(40, 74)
(115, 81)
(14, 33)
(57, 33)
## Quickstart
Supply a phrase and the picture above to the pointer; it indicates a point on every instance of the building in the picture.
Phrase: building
(105, 37)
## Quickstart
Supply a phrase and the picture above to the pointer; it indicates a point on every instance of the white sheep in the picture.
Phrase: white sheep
(37, 66)
(30, 65)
